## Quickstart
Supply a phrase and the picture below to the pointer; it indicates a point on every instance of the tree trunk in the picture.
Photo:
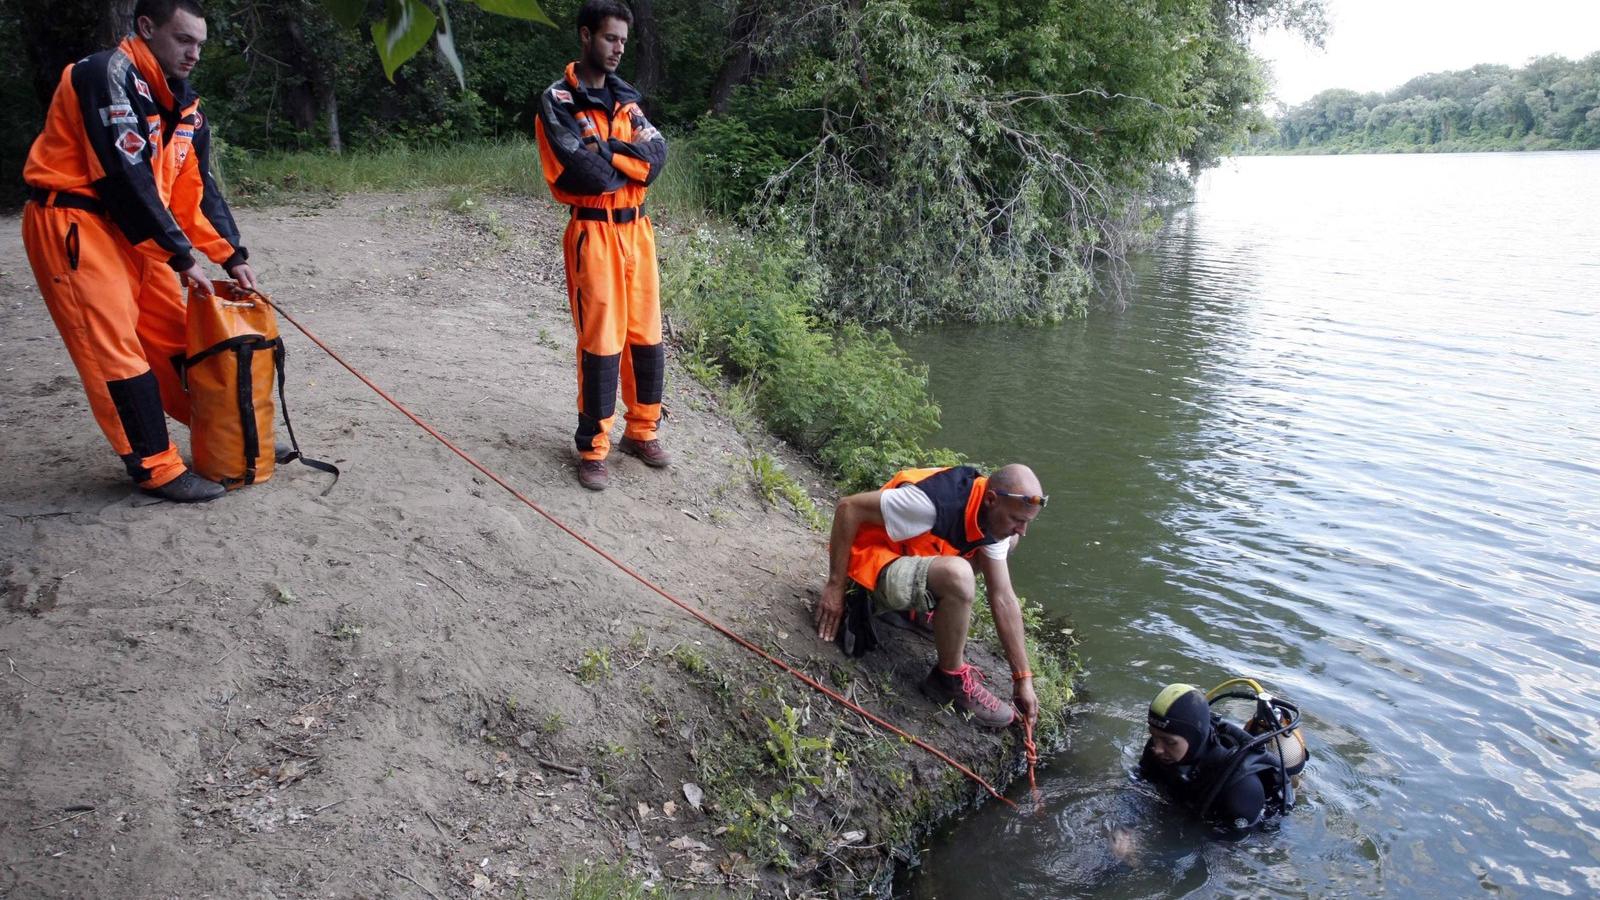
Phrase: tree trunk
(742, 33)
(330, 104)
(315, 91)
(648, 64)
(117, 22)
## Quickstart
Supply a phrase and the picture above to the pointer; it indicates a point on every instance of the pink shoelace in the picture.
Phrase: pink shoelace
(972, 688)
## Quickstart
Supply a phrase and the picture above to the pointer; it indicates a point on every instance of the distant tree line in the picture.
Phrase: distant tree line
(1550, 104)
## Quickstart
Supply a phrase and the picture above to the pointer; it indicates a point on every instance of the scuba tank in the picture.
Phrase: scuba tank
(1270, 741)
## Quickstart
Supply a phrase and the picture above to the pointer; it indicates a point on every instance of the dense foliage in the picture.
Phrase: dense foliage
(975, 159)
(1018, 144)
(1550, 104)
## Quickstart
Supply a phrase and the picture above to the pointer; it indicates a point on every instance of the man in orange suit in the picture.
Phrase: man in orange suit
(600, 154)
(122, 197)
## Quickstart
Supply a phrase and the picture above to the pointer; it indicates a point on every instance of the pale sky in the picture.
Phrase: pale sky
(1375, 45)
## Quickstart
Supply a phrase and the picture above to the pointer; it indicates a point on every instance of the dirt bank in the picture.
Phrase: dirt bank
(413, 686)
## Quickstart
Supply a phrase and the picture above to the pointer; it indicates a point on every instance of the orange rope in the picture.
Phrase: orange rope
(706, 619)
(1032, 751)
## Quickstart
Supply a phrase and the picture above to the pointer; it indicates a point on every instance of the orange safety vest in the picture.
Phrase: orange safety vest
(957, 493)
(117, 133)
(593, 156)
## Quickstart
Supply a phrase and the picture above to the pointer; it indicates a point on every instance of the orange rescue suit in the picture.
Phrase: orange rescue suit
(122, 196)
(957, 495)
(599, 158)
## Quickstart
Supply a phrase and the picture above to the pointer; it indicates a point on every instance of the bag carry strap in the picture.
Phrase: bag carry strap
(278, 354)
(244, 354)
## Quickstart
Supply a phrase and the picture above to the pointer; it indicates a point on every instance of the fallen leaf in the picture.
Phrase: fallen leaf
(481, 882)
(669, 809)
(684, 842)
(693, 794)
(502, 757)
(851, 837)
(644, 810)
(699, 867)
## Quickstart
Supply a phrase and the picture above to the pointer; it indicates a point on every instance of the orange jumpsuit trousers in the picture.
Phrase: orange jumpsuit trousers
(121, 314)
(613, 287)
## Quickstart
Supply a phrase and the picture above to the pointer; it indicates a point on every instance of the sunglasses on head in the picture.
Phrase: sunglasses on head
(1038, 500)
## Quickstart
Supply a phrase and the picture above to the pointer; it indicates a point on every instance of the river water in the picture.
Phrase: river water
(1344, 438)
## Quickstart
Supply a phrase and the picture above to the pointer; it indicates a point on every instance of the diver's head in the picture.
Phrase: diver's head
(1180, 724)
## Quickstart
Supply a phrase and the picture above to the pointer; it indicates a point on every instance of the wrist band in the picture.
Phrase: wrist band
(1018, 676)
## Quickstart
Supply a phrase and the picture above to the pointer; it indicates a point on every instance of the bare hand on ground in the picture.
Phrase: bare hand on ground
(830, 609)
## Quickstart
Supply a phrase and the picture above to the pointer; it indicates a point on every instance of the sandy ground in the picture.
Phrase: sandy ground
(412, 686)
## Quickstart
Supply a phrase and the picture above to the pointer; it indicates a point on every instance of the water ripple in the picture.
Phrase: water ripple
(1345, 438)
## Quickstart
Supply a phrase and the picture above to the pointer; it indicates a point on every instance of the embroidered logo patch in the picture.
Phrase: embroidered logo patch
(131, 144)
(561, 95)
(142, 88)
(184, 133)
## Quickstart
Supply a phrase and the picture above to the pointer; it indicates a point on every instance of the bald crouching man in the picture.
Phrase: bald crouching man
(915, 547)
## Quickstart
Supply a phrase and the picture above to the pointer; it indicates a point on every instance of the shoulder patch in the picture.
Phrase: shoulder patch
(142, 88)
(131, 144)
(561, 94)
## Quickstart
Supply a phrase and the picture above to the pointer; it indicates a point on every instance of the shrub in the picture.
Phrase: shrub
(850, 398)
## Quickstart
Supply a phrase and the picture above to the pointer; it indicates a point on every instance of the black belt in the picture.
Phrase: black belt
(64, 199)
(619, 216)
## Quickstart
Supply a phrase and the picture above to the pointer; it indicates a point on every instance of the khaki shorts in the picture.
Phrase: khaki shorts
(903, 585)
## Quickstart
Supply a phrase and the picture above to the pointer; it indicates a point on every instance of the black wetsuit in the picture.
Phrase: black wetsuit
(1242, 803)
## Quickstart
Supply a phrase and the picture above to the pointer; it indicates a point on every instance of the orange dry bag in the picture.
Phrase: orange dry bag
(234, 356)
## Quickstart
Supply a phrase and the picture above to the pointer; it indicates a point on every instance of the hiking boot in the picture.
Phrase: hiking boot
(592, 474)
(965, 691)
(648, 452)
(187, 488)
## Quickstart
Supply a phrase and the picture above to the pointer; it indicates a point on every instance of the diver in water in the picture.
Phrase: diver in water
(1234, 778)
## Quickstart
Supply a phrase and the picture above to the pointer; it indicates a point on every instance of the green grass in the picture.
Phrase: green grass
(775, 484)
(505, 168)
(610, 882)
(595, 665)
(510, 167)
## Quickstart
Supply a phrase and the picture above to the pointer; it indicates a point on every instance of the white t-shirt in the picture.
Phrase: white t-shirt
(908, 512)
